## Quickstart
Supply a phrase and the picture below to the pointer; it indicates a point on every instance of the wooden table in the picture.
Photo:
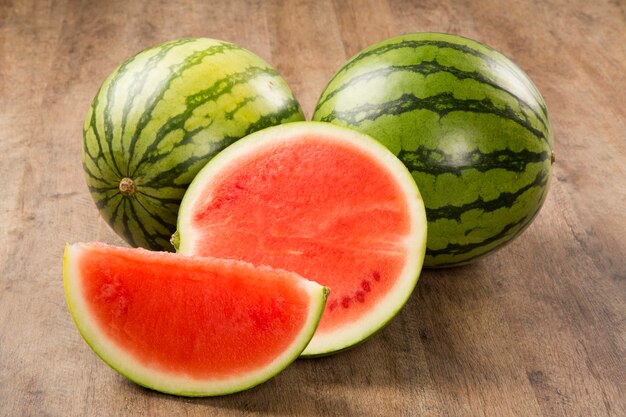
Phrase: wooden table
(538, 329)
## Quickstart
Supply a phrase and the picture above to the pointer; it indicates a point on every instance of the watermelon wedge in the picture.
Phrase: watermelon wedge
(187, 325)
(326, 202)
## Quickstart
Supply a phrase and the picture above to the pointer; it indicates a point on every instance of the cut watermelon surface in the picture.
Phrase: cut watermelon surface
(188, 325)
(326, 202)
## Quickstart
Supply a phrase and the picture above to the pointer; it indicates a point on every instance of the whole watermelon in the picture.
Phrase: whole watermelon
(161, 116)
(468, 123)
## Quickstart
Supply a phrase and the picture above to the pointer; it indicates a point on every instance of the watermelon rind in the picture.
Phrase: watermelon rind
(160, 116)
(384, 311)
(172, 383)
(468, 123)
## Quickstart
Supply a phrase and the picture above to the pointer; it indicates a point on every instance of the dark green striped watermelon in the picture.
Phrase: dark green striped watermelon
(468, 123)
(161, 116)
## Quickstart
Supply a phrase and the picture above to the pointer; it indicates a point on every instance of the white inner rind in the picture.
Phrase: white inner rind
(388, 306)
(171, 382)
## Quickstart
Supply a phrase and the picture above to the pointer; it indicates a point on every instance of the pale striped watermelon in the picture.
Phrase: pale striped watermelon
(160, 116)
(468, 123)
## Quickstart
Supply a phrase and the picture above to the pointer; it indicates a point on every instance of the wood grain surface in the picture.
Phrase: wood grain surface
(538, 329)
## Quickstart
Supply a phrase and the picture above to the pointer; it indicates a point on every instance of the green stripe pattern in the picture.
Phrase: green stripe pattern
(161, 116)
(466, 121)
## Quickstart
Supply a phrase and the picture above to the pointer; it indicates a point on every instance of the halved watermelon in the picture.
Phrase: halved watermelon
(188, 325)
(326, 202)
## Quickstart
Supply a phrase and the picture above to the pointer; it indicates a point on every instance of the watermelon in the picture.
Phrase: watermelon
(189, 326)
(325, 202)
(466, 121)
(160, 116)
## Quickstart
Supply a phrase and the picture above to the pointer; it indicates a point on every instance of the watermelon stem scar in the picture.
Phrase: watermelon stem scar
(127, 187)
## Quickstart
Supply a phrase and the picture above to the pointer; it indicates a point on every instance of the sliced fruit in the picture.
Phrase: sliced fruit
(188, 325)
(329, 203)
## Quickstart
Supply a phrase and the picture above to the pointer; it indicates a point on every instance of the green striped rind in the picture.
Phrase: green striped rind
(468, 123)
(161, 116)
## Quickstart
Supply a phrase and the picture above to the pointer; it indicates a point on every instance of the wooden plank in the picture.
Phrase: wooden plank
(306, 47)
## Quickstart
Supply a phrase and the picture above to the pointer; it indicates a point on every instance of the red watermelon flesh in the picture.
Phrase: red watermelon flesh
(188, 325)
(320, 201)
